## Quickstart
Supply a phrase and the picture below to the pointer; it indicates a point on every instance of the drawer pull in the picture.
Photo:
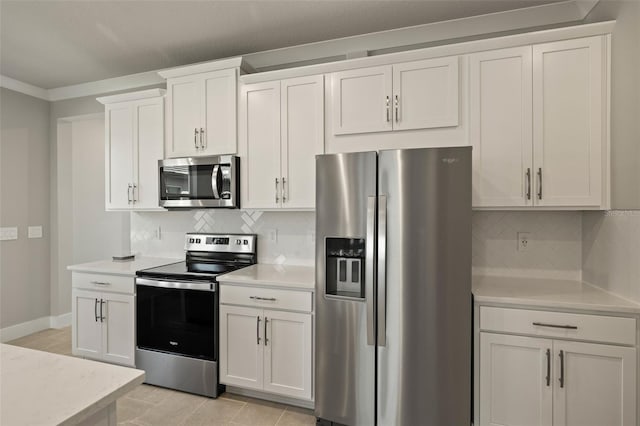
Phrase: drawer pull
(100, 283)
(562, 379)
(548, 377)
(567, 327)
(258, 330)
(270, 299)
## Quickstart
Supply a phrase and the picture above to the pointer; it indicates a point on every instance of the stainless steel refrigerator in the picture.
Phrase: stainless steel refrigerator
(393, 285)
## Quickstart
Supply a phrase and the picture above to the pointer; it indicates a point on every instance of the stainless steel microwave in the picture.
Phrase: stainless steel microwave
(200, 182)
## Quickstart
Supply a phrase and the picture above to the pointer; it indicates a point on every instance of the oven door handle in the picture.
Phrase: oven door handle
(183, 285)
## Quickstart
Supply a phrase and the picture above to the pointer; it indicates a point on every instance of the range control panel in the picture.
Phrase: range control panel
(231, 243)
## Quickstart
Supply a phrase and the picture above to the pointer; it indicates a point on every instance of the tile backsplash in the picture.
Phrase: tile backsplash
(294, 232)
(555, 248)
(611, 251)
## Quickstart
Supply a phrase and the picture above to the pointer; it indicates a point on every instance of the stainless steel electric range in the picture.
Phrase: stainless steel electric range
(177, 312)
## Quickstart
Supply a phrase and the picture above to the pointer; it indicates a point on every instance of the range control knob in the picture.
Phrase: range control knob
(191, 240)
(245, 242)
(238, 242)
(198, 241)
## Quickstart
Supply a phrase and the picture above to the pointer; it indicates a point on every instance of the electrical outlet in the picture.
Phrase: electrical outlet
(8, 233)
(524, 241)
(272, 235)
(158, 233)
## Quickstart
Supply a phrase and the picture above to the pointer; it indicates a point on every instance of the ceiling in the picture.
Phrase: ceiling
(58, 43)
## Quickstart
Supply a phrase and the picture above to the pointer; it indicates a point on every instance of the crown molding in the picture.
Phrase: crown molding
(132, 96)
(568, 11)
(25, 88)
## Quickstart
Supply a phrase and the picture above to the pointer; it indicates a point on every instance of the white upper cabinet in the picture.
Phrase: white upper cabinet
(202, 108)
(538, 125)
(568, 119)
(425, 94)
(500, 129)
(412, 95)
(281, 132)
(134, 141)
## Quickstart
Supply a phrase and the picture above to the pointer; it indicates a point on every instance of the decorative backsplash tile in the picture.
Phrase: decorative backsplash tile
(611, 251)
(554, 251)
(293, 245)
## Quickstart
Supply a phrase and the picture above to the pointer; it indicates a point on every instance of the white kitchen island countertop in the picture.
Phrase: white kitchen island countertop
(118, 267)
(549, 293)
(41, 388)
(261, 274)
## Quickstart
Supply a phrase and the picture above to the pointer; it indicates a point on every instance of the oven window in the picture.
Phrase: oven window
(177, 321)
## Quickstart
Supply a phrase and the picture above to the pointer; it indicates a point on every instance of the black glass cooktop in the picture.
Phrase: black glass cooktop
(184, 271)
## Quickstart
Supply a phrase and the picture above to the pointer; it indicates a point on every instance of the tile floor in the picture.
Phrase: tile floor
(150, 405)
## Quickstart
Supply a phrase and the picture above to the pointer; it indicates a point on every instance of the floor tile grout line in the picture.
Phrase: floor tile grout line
(281, 414)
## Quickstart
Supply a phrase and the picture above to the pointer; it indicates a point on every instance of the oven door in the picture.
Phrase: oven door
(177, 317)
(199, 182)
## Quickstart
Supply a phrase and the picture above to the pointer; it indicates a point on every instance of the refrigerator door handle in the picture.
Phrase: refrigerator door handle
(382, 270)
(370, 270)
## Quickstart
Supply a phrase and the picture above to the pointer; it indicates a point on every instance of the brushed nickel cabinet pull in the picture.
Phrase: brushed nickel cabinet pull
(284, 190)
(540, 183)
(277, 198)
(95, 309)
(567, 327)
(548, 377)
(133, 193)
(387, 103)
(562, 379)
(100, 283)
(195, 138)
(258, 330)
(266, 340)
(397, 107)
(270, 299)
(102, 317)
(202, 144)
(129, 193)
(528, 175)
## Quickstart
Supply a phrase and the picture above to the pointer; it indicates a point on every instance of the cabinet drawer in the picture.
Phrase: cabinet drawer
(266, 298)
(103, 282)
(595, 328)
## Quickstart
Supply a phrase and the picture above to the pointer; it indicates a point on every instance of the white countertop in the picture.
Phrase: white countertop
(551, 293)
(126, 268)
(289, 276)
(41, 388)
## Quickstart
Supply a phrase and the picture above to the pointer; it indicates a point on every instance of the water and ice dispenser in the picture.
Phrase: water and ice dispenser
(345, 258)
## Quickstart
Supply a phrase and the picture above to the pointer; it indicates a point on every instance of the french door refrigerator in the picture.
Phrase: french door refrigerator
(393, 286)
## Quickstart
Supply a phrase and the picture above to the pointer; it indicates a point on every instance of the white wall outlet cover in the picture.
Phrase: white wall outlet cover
(272, 235)
(8, 233)
(524, 241)
(34, 232)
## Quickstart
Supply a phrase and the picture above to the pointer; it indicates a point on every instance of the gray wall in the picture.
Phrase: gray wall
(24, 201)
(625, 99)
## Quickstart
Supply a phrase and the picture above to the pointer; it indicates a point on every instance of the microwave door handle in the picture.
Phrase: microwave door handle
(214, 181)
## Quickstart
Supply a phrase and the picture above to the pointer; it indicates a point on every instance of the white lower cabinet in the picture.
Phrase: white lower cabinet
(103, 324)
(266, 349)
(549, 381)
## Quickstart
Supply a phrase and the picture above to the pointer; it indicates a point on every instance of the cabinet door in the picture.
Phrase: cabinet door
(149, 148)
(302, 132)
(86, 329)
(287, 353)
(598, 385)
(219, 110)
(261, 180)
(361, 100)
(118, 325)
(513, 380)
(241, 346)
(568, 105)
(425, 94)
(500, 127)
(118, 155)
(184, 97)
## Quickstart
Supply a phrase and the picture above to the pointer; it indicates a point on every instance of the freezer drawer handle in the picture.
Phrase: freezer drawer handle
(567, 327)
(100, 283)
(269, 299)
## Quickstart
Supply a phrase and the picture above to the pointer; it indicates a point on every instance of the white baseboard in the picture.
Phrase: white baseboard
(60, 321)
(29, 327)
